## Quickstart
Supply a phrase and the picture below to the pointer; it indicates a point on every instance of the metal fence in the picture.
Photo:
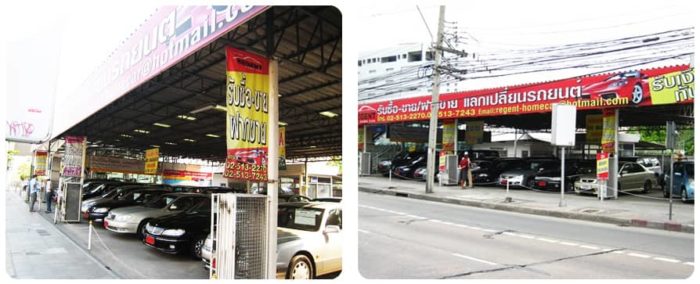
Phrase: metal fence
(239, 231)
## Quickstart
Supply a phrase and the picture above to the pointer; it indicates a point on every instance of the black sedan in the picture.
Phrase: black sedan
(183, 232)
(550, 178)
(99, 209)
(407, 171)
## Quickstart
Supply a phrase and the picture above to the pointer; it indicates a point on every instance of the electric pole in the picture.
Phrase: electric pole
(432, 136)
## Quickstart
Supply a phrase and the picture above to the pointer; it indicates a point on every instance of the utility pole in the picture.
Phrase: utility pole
(432, 136)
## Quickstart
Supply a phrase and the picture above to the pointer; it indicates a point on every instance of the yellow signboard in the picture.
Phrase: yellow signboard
(608, 138)
(594, 128)
(283, 138)
(151, 161)
(672, 88)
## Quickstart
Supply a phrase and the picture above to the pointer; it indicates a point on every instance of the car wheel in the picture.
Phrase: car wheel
(684, 195)
(141, 230)
(637, 94)
(300, 268)
(196, 247)
(647, 186)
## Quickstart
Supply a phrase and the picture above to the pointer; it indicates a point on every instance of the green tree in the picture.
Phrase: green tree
(686, 137)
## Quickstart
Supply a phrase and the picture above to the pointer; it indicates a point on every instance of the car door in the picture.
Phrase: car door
(332, 248)
(626, 179)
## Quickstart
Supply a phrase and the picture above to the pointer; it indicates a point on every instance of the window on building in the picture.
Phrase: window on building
(359, 63)
(415, 56)
(389, 59)
(404, 56)
(372, 71)
(429, 55)
(389, 69)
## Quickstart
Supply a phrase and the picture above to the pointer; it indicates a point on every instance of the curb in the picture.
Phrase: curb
(668, 226)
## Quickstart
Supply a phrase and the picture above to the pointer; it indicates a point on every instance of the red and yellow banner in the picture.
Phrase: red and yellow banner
(40, 162)
(151, 161)
(645, 87)
(602, 165)
(608, 137)
(449, 133)
(247, 90)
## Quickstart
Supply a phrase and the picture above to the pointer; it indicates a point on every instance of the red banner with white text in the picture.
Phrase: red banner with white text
(647, 87)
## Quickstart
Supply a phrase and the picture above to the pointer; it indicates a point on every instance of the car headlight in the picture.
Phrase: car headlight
(483, 175)
(124, 218)
(405, 169)
(619, 84)
(173, 232)
(421, 171)
(101, 210)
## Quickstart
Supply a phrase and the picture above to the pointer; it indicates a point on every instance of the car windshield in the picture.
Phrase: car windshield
(161, 201)
(97, 189)
(133, 195)
(690, 169)
(202, 207)
(305, 219)
(113, 192)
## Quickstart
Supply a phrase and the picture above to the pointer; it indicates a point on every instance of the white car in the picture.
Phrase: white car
(631, 177)
(133, 219)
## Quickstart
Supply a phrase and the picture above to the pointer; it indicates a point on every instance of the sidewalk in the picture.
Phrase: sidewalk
(36, 249)
(645, 210)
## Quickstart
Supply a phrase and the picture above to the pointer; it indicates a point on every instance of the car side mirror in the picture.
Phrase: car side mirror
(330, 229)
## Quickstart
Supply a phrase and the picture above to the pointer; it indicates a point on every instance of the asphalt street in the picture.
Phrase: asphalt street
(401, 238)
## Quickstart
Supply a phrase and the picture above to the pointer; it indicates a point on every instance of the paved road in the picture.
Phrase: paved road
(133, 260)
(406, 238)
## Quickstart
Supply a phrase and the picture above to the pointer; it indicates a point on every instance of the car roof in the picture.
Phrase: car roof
(320, 205)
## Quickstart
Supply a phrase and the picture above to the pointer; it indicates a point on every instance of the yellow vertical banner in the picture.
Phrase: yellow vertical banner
(40, 162)
(361, 138)
(247, 90)
(151, 167)
(608, 137)
(449, 127)
(594, 128)
(283, 138)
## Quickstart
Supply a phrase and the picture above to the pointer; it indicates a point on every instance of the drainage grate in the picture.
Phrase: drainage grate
(43, 233)
(591, 211)
(401, 194)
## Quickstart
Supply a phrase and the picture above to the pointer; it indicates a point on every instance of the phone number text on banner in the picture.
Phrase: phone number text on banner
(247, 89)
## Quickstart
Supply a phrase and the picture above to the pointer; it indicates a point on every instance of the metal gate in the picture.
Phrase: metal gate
(239, 233)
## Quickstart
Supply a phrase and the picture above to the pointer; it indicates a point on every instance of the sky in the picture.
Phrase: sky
(520, 24)
(500, 27)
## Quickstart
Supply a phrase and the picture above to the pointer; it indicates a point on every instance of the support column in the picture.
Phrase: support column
(272, 168)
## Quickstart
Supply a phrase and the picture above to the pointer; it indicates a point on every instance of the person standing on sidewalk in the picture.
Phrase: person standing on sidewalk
(34, 188)
(465, 172)
(49, 195)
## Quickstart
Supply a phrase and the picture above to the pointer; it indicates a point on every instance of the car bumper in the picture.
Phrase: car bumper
(586, 188)
(167, 244)
(97, 217)
(120, 227)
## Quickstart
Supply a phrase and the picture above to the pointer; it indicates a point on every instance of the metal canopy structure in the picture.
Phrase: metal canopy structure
(308, 43)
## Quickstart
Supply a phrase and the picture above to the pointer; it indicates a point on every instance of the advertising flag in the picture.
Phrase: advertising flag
(608, 138)
(247, 90)
(449, 129)
(73, 158)
(40, 162)
(151, 161)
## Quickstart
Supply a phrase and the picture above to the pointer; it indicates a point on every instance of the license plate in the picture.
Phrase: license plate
(503, 182)
(585, 187)
(542, 183)
(150, 240)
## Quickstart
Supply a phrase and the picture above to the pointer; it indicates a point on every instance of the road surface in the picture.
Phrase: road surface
(402, 238)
